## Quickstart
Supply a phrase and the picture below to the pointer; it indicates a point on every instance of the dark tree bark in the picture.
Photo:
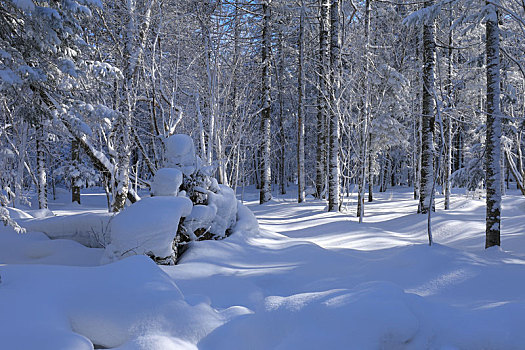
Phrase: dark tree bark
(493, 136)
(266, 172)
(75, 158)
(41, 165)
(428, 118)
(300, 113)
(335, 63)
(322, 97)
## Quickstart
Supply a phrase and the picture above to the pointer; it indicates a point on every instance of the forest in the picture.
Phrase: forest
(263, 155)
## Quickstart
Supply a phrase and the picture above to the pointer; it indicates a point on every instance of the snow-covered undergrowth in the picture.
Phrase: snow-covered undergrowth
(306, 280)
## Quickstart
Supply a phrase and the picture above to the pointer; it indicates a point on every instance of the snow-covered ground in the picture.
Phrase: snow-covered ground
(308, 280)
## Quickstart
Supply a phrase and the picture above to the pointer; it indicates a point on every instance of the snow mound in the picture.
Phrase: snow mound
(217, 217)
(147, 227)
(180, 152)
(130, 304)
(16, 214)
(247, 223)
(226, 205)
(41, 213)
(37, 248)
(166, 182)
(88, 229)
(372, 316)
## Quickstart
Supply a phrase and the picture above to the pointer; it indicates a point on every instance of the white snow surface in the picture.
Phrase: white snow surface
(148, 227)
(89, 229)
(218, 215)
(166, 182)
(180, 152)
(305, 279)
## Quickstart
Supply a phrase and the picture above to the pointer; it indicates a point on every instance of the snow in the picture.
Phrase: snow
(148, 227)
(225, 206)
(299, 278)
(219, 215)
(180, 152)
(8, 77)
(166, 182)
(89, 229)
(117, 305)
(26, 5)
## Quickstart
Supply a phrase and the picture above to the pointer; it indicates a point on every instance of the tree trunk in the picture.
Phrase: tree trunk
(322, 97)
(282, 135)
(266, 170)
(123, 151)
(335, 63)
(493, 136)
(417, 156)
(365, 118)
(428, 117)
(75, 160)
(448, 125)
(19, 180)
(41, 165)
(370, 172)
(300, 113)
(136, 37)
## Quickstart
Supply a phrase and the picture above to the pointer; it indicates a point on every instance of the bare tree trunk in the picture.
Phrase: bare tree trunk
(448, 126)
(75, 159)
(448, 162)
(202, 138)
(365, 119)
(521, 168)
(322, 97)
(416, 155)
(19, 180)
(335, 63)
(370, 172)
(428, 117)
(493, 137)
(135, 37)
(123, 151)
(41, 165)
(282, 136)
(300, 113)
(266, 127)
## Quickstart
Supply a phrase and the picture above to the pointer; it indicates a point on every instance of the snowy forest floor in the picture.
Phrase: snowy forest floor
(309, 280)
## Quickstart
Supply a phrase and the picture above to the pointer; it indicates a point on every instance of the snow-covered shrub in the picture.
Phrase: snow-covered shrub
(187, 205)
(214, 206)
